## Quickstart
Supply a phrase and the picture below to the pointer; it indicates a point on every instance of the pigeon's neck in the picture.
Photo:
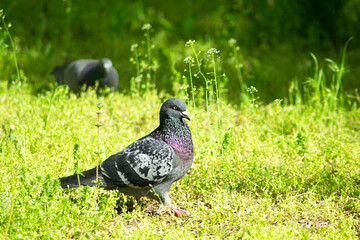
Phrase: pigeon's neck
(176, 133)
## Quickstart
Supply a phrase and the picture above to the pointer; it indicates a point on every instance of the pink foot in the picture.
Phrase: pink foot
(180, 212)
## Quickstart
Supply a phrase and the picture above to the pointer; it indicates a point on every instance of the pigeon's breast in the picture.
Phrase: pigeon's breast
(177, 135)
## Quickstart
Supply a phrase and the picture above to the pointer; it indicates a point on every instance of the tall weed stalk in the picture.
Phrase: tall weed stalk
(191, 61)
(212, 52)
(239, 63)
(98, 125)
(191, 44)
(16, 141)
(147, 28)
(146, 65)
(135, 81)
(6, 27)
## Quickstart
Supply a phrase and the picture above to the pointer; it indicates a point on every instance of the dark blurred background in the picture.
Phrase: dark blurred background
(275, 38)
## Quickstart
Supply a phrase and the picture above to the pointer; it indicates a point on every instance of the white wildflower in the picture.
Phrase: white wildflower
(133, 47)
(212, 52)
(190, 43)
(146, 26)
(232, 42)
(189, 60)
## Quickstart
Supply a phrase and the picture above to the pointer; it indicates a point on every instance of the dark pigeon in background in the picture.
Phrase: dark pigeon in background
(149, 166)
(80, 72)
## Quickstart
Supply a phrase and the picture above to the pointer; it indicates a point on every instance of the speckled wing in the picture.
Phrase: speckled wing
(145, 162)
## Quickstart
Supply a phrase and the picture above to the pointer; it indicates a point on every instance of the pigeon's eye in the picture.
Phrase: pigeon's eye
(175, 108)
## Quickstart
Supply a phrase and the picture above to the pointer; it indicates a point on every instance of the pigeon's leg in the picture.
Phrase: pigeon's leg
(161, 193)
(162, 197)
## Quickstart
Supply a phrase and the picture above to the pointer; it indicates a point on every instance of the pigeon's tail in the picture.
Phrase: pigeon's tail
(86, 178)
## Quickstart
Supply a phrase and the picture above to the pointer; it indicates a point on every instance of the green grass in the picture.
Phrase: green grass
(278, 172)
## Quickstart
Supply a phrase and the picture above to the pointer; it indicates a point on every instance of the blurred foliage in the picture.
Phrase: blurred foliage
(275, 38)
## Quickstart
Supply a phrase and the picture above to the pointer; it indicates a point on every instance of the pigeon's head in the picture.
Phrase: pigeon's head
(57, 73)
(105, 65)
(174, 108)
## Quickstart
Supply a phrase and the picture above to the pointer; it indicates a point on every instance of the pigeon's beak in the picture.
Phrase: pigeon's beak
(185, 115)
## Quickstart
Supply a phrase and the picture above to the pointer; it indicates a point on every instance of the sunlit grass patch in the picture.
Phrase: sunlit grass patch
(276, 173)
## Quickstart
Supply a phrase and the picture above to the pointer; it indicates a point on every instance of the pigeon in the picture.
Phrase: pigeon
(149, 166)
(87, 71)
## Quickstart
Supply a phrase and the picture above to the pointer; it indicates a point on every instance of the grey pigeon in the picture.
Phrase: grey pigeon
(86, 71)
(149, 166)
